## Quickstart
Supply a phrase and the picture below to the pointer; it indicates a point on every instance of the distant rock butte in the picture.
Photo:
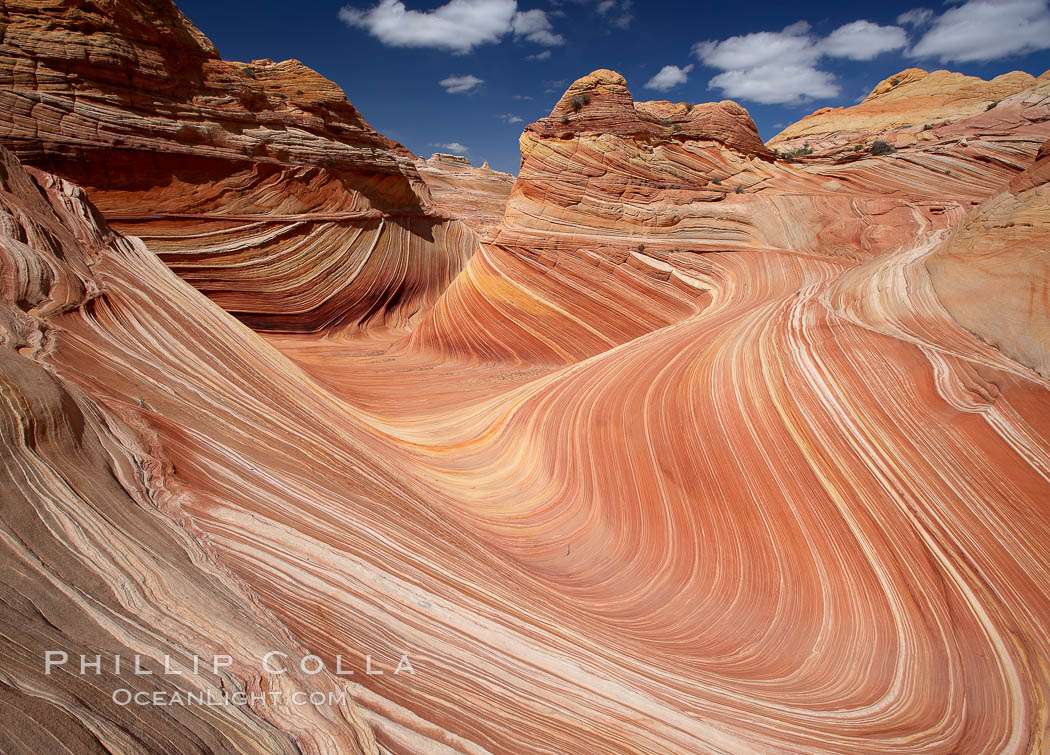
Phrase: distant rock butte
(603, 177)
(476, 195)
(910, 100)
(600, 103)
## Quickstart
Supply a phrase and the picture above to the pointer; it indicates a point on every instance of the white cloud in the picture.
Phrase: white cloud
(458, 25)
(864, 40)
(669, 77)
(461, 84)
(622, 19)
(774, 83)
(454, 147)
(792, 46)
(510, 118)
(986, 30)
(915, 17)
(521, 97)
(545, 55)
(534, 26)
(778, 67)
(771, 67)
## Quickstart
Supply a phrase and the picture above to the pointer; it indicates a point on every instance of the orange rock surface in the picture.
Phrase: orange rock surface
(304, 210)
(993, 273)
(915, 105)
(99, 558)
(477, 196)
(700, 451)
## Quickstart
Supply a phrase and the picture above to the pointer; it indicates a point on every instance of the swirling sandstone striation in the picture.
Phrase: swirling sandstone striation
(478, 196)
(993, 272)
(258, 183)
(918, 106)
(97, 563)
(613, 192)
(816, 503)
(690, 457)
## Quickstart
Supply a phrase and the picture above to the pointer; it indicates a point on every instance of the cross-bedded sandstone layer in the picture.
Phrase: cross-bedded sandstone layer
(916, 108)
(100, 562)
(256, 182)
(701, 452)
(477, 196)
(993, 273)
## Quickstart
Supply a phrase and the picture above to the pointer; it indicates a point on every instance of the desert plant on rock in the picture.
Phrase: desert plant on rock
(880, 147)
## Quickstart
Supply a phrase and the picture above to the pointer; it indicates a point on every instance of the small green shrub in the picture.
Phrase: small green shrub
(576, 103)
(991, 105)
(641, 247)
(927, 127)
(665, 122)
(248, 72)
(299, 91)
(689, 106)
(739, 189)
(879, 147)
(894, 81)
(676, 128)
(717, 182)
(586, 98)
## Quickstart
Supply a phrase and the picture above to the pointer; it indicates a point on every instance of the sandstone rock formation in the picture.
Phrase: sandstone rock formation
(917, 106)
(305, 208)
(815, 424)
(702, 451)
(99, 560)
(604, 175)
(993, 273)
(478, 196)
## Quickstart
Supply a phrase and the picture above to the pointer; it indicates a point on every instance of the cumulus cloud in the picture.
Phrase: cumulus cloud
(669, 77)
(986, 30)
(534, 26)
(864, 40)
(545, 55)
(461, 84)
(771, 67)
(458, 25)
(521, 97)
(774, 83)
(510, 118)
(915, 17)
(454, 147)
(619, 12)
(793, 45)
(779, 67)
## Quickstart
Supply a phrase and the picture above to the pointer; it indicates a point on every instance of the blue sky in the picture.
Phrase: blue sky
(457, 75)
